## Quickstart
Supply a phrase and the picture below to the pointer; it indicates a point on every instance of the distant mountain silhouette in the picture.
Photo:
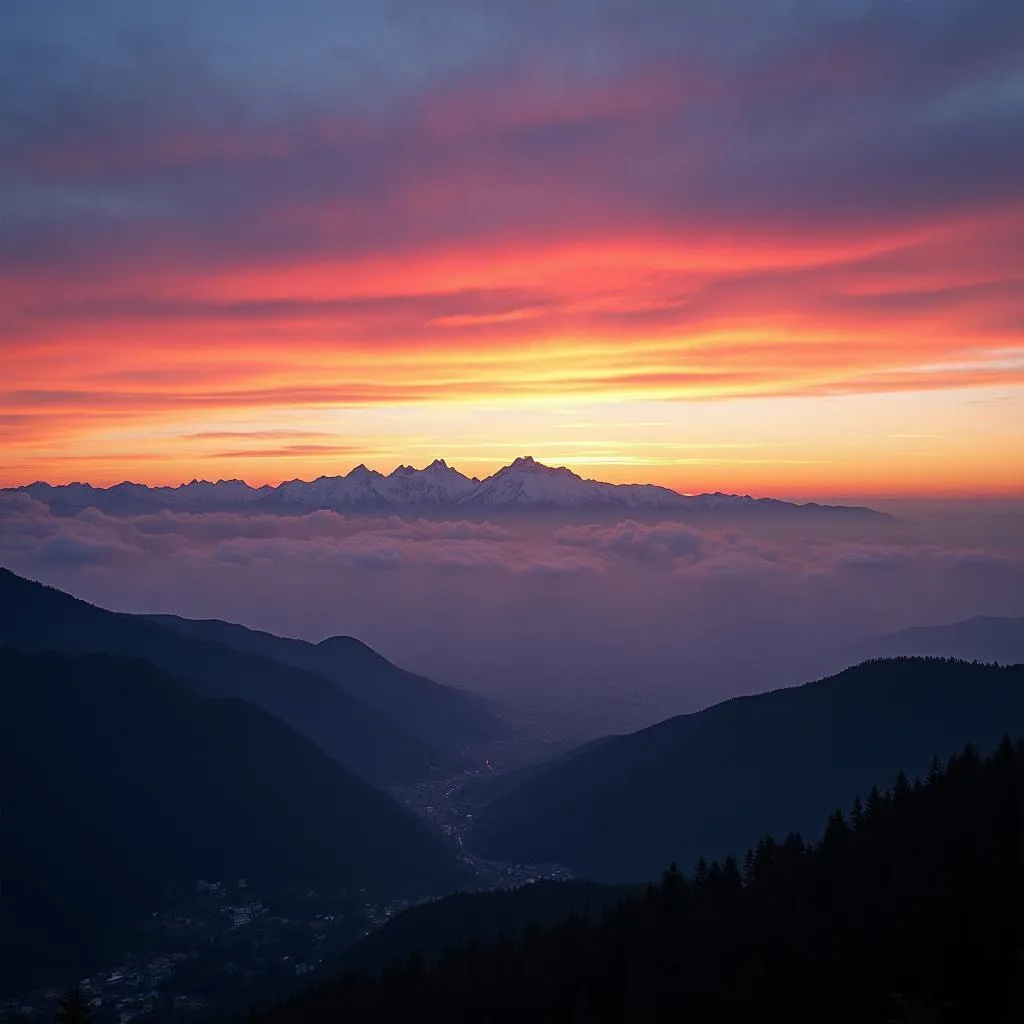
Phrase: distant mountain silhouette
(129, 498)
(442, 715)
(711, 782)
(374, 744)
(979, 639)
(524, 484)
(122, 788)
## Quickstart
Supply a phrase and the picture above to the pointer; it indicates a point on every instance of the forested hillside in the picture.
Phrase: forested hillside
(908, 909)
(711, 783)
(121, 788)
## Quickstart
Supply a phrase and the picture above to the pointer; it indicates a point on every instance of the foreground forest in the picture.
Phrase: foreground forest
(908, 909)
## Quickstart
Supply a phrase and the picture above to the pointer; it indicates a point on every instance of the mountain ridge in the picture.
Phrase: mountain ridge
(704, 783)
(443, 714)
(524, 483)
(369, 741)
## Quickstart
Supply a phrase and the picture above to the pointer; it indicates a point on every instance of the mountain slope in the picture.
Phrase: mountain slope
(442, 715)
(979, 639)
(122, 787)
(363, 738)
(711, 782)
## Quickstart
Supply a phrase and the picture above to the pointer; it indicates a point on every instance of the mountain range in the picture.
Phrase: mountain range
(386, 725)
(523, 484)
(710, 783)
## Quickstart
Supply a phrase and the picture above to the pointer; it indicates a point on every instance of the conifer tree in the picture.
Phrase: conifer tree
(857, 814)
(74, 1008)
(673, 884)
(873, 807)
(700, 874)
(731, 876)
(901, 787)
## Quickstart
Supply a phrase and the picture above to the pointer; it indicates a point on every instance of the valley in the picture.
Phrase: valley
(216, 855)
(512, 512)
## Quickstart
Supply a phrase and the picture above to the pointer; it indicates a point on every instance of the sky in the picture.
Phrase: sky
(766, 246)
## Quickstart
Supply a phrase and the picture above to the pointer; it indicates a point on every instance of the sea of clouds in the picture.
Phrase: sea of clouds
(592, 627)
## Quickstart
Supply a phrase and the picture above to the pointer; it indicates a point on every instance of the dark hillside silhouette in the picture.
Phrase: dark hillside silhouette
(479, 917)
(365, 739)
(121, 788)
(441, 715)
(711, 782)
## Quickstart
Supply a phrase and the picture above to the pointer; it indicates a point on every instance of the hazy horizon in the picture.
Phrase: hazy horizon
(608, 624)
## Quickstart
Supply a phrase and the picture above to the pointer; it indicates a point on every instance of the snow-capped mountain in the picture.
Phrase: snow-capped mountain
(438, 488)
(438, 485)
(527, 482)
(356, 488)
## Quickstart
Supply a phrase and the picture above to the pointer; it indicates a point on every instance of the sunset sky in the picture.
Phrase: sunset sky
(774, 247)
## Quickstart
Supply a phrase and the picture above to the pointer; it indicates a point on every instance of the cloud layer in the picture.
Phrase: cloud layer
(602, 626)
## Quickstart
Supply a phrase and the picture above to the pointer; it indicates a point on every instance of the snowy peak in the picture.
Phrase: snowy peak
(528, 464)
(434, 487)
(527, 482)
(362, 473)
(326, 492)
(404, 488)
